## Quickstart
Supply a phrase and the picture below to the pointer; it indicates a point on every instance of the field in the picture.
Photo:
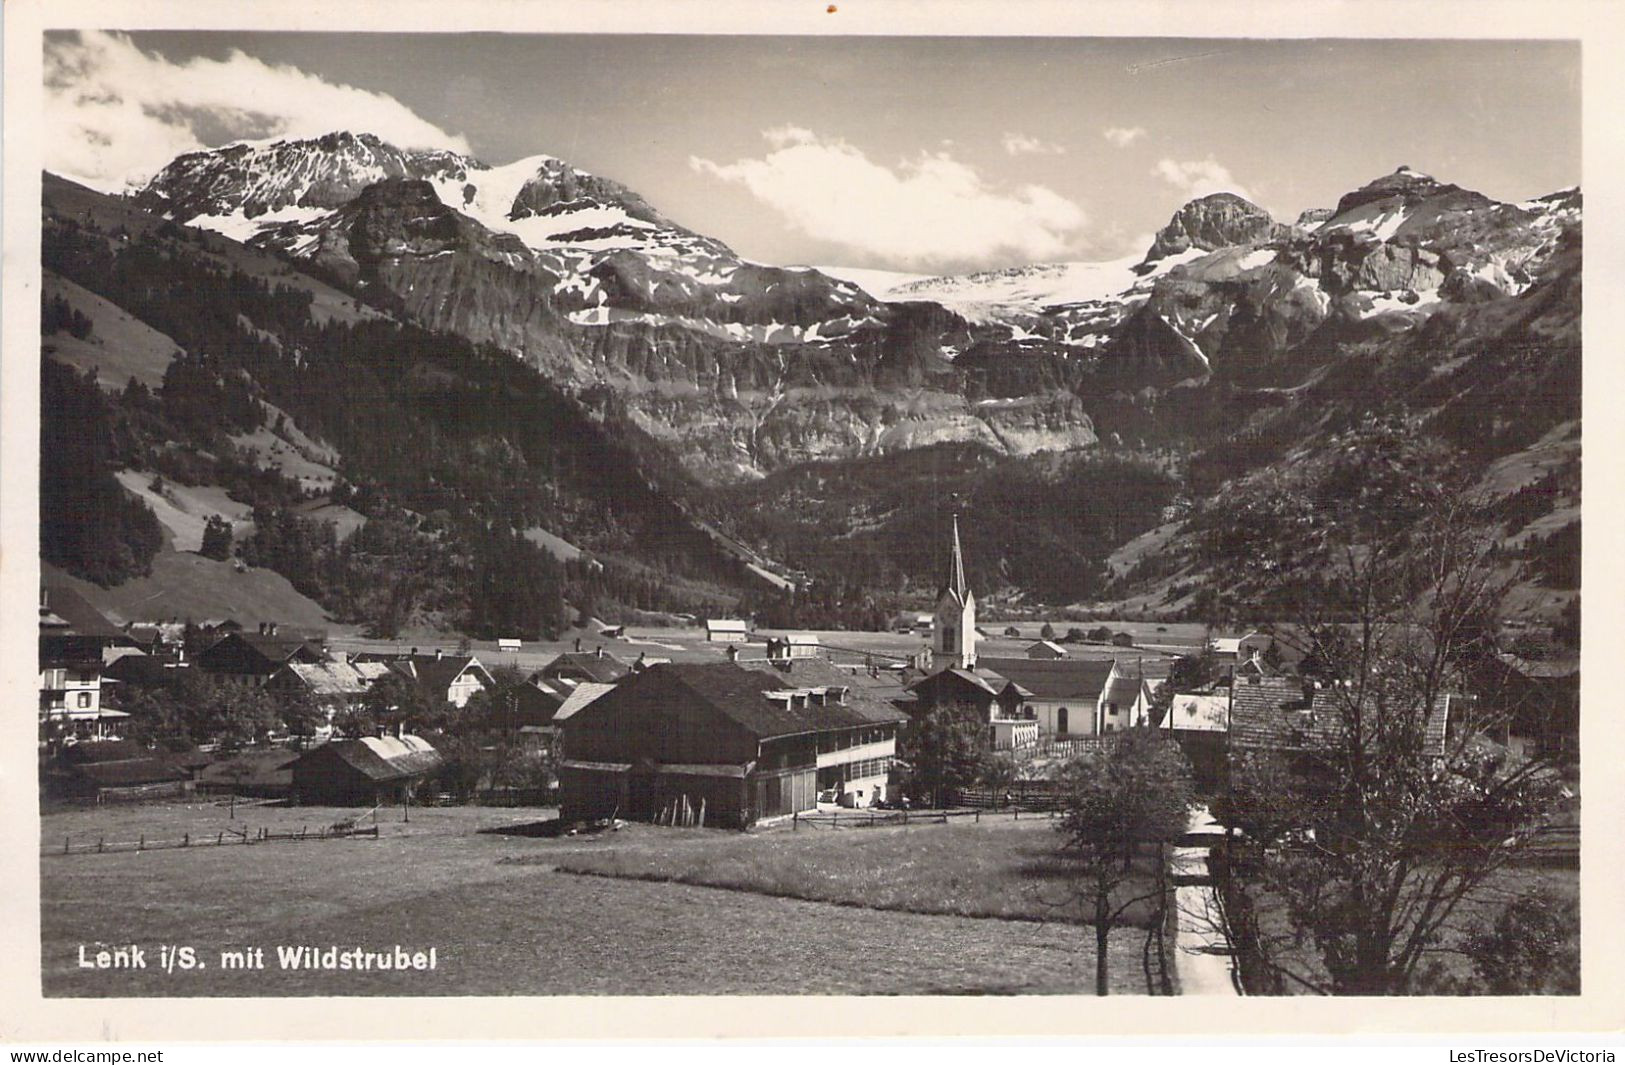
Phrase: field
(501, 919)
(995, 868)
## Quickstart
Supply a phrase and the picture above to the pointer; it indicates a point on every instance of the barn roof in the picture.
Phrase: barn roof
(580, 696)
(725, 625)
(1060, 678)
(868, 698)
(1050, 646)
(735, 692)
(382, 758)
(333, 678)
(117, 763)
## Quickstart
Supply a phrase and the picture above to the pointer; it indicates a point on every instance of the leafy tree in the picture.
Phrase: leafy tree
(945, 748)
(243, 715)
(301, 715)
(394, 699)
(1000, 771)
(1047, 632)
(1115, 802)
(216, 538)
(1372, 839)
(1530, 949)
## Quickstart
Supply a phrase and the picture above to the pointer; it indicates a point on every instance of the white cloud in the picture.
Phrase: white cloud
(1021, 144)
(1199, 178)
(1123, 136)
(932, 211)
(116, 114)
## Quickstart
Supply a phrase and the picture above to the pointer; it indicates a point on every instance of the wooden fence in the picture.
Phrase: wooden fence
(222, 838)
(1029, 795)
(878, 818)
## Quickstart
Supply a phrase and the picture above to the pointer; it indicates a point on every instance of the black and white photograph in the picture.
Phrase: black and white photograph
(554, 513)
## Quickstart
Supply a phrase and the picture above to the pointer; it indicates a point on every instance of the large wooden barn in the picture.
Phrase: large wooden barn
(373, 769)
(742, 743)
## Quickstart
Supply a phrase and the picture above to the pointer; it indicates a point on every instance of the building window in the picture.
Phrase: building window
(948, 640)
(84, 700)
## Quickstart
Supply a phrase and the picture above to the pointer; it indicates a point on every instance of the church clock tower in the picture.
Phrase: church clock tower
(953, 637)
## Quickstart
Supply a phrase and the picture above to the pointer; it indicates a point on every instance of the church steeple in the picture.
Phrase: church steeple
(953, 640)
(956, 568)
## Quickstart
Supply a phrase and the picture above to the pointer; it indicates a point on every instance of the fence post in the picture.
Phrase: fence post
(101, 843)
(186, 840)
(141, 844)
(65, 842)
(795, 821)
(978, 815)
(219, 839)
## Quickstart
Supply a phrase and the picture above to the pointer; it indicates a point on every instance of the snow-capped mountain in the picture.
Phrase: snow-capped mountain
(744, 367)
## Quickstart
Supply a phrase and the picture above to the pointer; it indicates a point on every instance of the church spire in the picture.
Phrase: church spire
(956, 569)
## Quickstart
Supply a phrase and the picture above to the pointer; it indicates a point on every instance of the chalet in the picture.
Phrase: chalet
(369, 770)
(574, 667)
(251, 658)
(75, 644)
(70, 689)
(445, 678)
(743, 744)
(1047, 649)
(854, 767)
(726, 630)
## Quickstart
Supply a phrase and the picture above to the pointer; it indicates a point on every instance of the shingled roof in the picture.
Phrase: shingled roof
(737, 693)
(1277, 713)
(871, 699)
(382, 758)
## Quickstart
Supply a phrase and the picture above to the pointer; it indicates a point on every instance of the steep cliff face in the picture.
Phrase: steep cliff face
(1222, 220)
(743, 367)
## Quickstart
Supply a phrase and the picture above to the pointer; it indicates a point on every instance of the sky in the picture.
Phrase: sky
(918, 154)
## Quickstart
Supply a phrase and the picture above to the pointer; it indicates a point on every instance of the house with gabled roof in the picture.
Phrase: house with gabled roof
(251, 658)
(445, 678)
(854, 766)
(573, 667)
(743, 744)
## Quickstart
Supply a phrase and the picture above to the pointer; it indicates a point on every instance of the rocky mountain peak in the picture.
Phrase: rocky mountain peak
(1220, 220)
(1407, 188)
(257, 178)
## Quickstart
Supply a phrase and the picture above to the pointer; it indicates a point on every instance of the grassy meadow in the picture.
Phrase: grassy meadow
(483, 889)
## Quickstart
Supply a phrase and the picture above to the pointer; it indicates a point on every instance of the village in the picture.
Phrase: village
(624, 755)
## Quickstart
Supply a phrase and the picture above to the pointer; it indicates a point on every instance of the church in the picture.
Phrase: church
(1023, 700)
